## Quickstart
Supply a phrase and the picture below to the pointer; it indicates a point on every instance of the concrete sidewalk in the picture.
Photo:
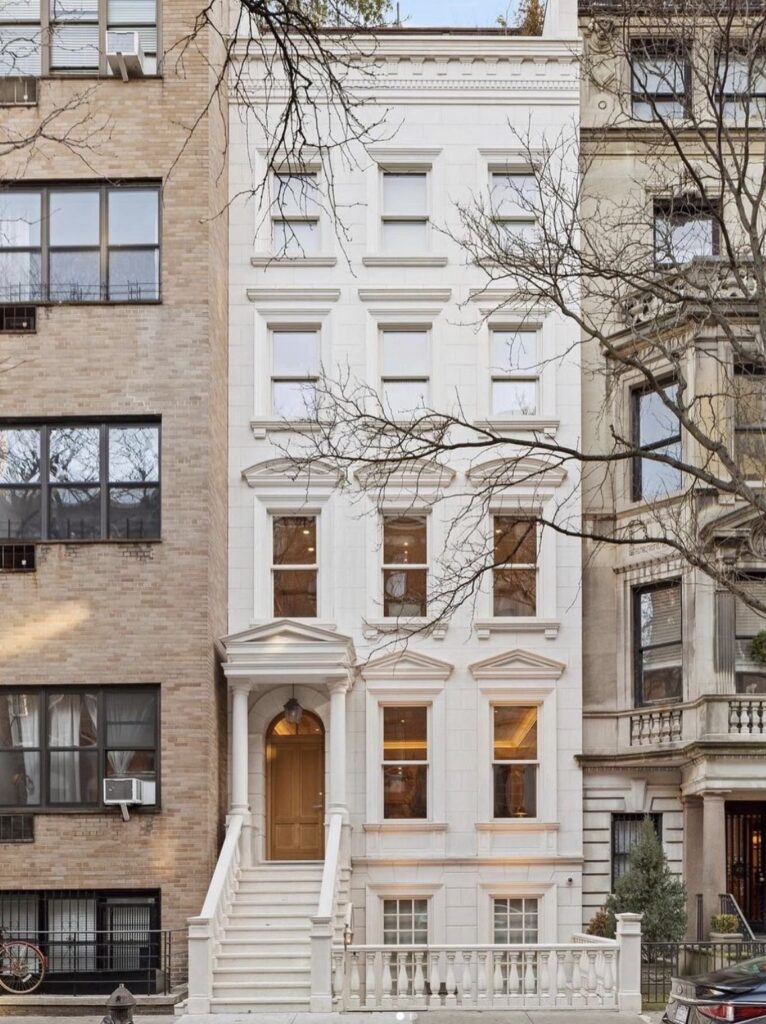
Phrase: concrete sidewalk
(424, 1017)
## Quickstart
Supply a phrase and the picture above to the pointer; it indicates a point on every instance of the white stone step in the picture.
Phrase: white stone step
(275, 902)
(281, 975)
(297, 988)
(259, 1004)
(241, 916)
(301, 887)
(266, 962)
(266, 931)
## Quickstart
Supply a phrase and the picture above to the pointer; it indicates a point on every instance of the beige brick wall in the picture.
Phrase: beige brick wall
(115, 613)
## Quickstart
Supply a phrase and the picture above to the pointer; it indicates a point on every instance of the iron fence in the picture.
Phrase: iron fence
(661, 961)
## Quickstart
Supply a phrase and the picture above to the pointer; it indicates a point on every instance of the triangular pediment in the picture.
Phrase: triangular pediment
(738, 524)
(407, 665)
(286, 630)
(517, 664)
(289, 474)
(285, 651)
(530, 472)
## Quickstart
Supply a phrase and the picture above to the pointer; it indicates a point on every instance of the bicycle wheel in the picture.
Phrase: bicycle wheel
(22, 967)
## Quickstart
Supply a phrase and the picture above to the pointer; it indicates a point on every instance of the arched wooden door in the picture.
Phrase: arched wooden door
(295, 789)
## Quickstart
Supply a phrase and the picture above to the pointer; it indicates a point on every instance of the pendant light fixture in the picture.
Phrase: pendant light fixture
(293, 711)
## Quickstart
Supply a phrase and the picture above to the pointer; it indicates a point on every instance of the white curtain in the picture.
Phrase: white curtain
(130, 726)
(25, 732)
(64, 730)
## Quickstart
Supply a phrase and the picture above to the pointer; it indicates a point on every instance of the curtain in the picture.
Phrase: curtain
(25, 732)
(65, 728)
(130, 724)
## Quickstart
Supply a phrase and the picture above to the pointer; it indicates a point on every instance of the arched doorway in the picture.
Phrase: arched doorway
(295, 789)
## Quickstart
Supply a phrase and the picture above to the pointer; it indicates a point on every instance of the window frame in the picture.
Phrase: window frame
(283, 378)
(637, 649)
(426, 763)
(413, 513)
(628, 817)
(105, 247)
(747, 102)
(279, 216)
(537, 762)
(46, 805)
(405, 378)
(501, 220)
(636, 476)
(520, 376)
(695, 209)
(274, 567)
(659, 47)
(524, 897)
(388, 217)
(105, 484)
(744, 669)
(519, 515)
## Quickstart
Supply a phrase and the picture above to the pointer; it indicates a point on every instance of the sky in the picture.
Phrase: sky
(453, 13)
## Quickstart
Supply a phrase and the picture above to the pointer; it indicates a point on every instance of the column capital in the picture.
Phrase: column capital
(240, 685)
(339, 686)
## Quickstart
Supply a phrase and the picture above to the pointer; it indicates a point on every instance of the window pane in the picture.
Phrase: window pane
(134, 512)
(294, 399)
(131, 718)
(514, 397)
(405, 791)
(295, 353)
(405, 734)
(19, 219)
(20, 512)
(74, 46)
(749, 386)
(404, 540)
(295, 593)
(514, 195)
(134, 454)
(135, 763)
(19, 455)
(20, 50)
(296, 195)
(658, 74)
(515, 541)
(515, 733)
(405, 193)
(515, 790)
(673, 110)
(656, 421)
(658, 479)
(134, 274)
(405, 353)
(748, 620)
(20, 276)
(295, 540)
(75, 276)
(129, 12)
(405, 398)
(682, 236)
(19, 778)
(404, 592)
(660, 615)
(662, 674)
(74, 454)
(515, 592)
(19, 720)
(514, 350)
(295, 238)
(133, 216)
(402, 236)
(75, 513)
(72, 720)
(74, 218)
(73, 777)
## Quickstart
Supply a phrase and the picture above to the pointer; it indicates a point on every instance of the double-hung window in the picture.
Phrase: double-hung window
(405, 371)
(659, 73)
(750, 675)
(741, 83)
(405, 220)
(80, 481)
(294, 373)
(750, 419)
(57, 745)
(20, 40)
(656, 428)
(514, 572)
(684, 228)
(657, 646)
(405, 762)
(295, 567)
(295, 215)
(405, 565)
(515, 203)
(74, 35)
(80, 244)
(626, 832)
(515, 372)
(514, 760)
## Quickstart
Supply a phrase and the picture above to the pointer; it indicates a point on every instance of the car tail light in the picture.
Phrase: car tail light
(731, 1012)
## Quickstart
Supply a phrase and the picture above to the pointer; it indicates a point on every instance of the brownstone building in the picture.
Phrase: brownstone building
(112, 481)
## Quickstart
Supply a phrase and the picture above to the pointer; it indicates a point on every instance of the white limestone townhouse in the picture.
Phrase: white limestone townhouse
(388, 788)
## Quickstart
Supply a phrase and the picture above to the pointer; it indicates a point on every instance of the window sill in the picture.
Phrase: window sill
(486, 627)
(87, 541)
(538, 424)
(293, 261)
(372, 628)
(517, 825)
(405, 825)
(405, 261)
(111, 812)
(261, 428)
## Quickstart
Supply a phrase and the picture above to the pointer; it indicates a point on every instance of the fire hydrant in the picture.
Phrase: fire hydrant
(119, 1007)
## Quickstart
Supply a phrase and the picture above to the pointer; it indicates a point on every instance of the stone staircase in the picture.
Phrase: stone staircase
(263, 961)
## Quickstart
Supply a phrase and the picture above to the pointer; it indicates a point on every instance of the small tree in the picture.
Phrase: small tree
(649, 888)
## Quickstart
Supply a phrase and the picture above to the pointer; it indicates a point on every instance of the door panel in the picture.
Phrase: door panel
(295, 811)
(745, 878)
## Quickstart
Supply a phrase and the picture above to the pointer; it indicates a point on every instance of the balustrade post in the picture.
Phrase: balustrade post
(482, 996)
(609, 978)
(434, 982)
(354, 986)
(498, 995)
(370, 982)
(593, 999)
(544, 986)
(466, 987)
(578, 999)
(420, 981)
(561, 979)
(386, 982)
(451, 1000)
(402, 979)
(514, 981)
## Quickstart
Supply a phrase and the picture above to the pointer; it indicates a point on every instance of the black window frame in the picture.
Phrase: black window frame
(105, 247)
(47, 806)
(105, 484)
(748, 97)
(659, 47)
(636, 395)
(636, 819)
(637, 648)
(692, 207)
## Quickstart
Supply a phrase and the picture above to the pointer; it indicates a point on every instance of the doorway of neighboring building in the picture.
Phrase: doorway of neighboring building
(745, 877)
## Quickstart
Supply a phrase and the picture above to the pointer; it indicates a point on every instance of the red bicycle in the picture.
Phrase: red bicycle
(22, 965)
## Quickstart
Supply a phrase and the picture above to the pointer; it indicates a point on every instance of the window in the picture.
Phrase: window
(406, 360)
(294, 373)
(514, 761)
(405, 922)
(515, 200)
(741, 83)
(515, 920)
(655, 429)
(514, 369)
(404, 224)
(684, 228)
(405, 565)
(58, 745)
(80, 481)
(295, 566)
(514, 573)
(405, 762)
(80, 244)
(657, 643)
(626, 831)
(750, 674)
(295, 220)
(75, 30)
(659, 80)
(750, 419)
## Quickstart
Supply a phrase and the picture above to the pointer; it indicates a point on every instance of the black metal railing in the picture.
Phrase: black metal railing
(35, 291)
(661, 961)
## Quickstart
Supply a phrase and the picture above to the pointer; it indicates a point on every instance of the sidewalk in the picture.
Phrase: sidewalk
(425, 1017)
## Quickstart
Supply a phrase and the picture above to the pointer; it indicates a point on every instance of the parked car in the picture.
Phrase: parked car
(736, 993)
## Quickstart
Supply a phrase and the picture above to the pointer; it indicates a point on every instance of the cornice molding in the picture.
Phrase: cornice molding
(276, 294)
(441, 295)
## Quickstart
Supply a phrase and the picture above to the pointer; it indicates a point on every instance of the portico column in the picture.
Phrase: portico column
(337, 801)
(240, 693)
(713, 853)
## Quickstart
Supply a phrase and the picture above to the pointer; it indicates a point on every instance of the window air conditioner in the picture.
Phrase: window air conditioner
(123, 791)
(124, 54)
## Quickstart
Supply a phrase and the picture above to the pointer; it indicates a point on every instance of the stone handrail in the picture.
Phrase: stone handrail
(323, 920)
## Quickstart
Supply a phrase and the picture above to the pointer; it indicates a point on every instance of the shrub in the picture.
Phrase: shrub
(757, 648)
(726, 924)
(601, 924)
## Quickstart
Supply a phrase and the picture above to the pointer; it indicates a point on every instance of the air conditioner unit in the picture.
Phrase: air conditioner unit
(123, 791)
(124, 54)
